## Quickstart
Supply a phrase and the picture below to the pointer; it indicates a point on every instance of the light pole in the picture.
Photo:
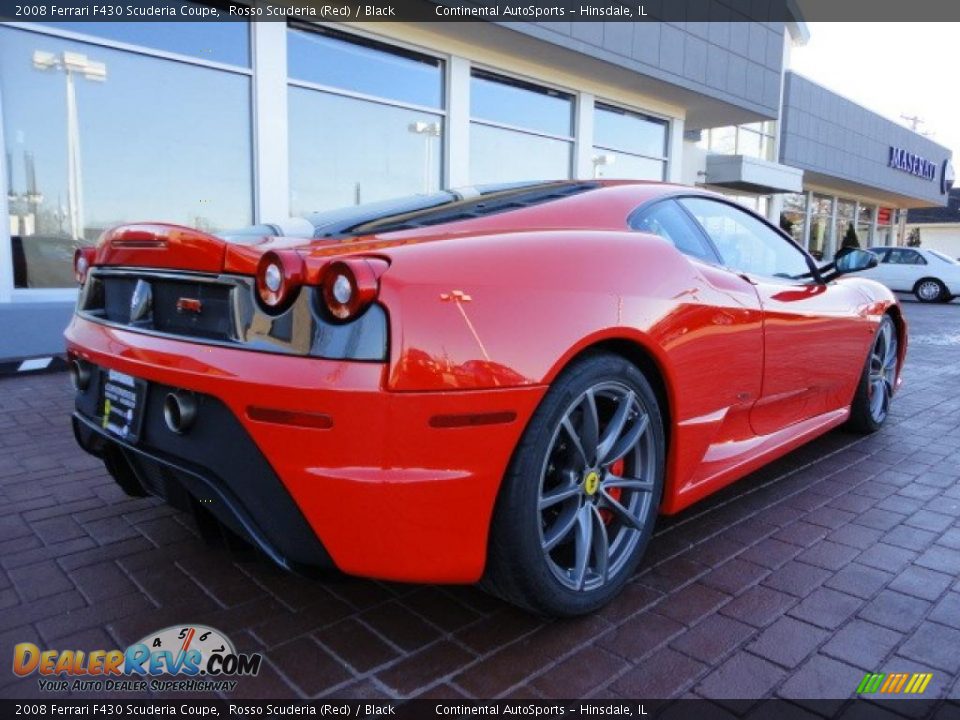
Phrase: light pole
(429, 130)
(601, 160)
(72, 63)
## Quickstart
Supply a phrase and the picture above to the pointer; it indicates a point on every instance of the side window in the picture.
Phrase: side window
(670, 222)
(904, 256)
(746, 243)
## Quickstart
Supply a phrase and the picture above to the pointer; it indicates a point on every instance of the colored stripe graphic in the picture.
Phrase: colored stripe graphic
(870, 683)
(912, 683)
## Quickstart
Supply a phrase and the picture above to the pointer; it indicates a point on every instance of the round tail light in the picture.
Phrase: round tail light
(279, 277)
(349, 286)
(82, 262)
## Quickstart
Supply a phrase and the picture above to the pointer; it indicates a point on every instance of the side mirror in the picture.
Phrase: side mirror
(847, 261)
(854, 261)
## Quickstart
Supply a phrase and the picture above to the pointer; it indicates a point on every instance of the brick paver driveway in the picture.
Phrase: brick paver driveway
(842, 558)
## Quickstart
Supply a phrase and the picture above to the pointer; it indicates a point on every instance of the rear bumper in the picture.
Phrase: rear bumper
(385, 491)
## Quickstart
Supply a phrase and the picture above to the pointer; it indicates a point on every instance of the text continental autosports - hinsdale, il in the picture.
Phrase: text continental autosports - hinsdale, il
(538, 10)
(540, 710)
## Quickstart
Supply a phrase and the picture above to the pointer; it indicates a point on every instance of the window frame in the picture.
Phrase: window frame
(9, 293)
(907, 252)
(532, 86)
(812, 267)
(367, 40)
(387, 45)
(814, 274)
(600, 104)
(533, 83)
(640, 212)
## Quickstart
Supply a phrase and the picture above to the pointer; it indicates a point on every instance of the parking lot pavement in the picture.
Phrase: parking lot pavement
(841, 559)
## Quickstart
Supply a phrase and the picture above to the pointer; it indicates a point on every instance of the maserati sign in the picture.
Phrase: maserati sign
(911, 163)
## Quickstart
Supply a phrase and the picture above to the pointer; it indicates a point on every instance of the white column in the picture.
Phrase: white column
(6, 251)
(856, 216)
(774, 208)
(675, 151)
(874, 220)
(831, 249)
(271, 166)
(456, 164)
(583, 167)
(807, 219)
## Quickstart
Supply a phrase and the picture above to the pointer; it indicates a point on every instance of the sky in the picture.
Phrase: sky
(892, 69)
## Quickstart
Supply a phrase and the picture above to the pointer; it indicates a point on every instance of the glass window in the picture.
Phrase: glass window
(822, 205)
(499, 155)
(820, 224)
(96, 136)
(619, 129)
(752, 140)
(520, 104)
(794, 216)
(749, 144)
(905, 256)
(846, 229)
(757, 203)
(945, 258)
(338, 60)
(846, 209)
(746, 243)
(723, 140)
(224, 42)
(628, 145)
(670, 222)
(345, 151)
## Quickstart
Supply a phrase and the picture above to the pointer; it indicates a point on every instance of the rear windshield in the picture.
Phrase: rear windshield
(413, 211)
(944, 258)
(424, 210)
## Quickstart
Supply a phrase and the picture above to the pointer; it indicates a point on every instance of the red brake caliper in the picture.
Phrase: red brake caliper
(614, 493)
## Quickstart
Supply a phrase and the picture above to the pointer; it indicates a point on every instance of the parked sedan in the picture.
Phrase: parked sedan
(505, 385)
(929, 274)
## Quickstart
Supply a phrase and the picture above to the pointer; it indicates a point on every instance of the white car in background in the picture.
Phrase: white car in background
(928, 274)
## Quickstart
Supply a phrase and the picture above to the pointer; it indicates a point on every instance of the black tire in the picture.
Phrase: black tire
(863, 416)
(923, 290)
(520, 568)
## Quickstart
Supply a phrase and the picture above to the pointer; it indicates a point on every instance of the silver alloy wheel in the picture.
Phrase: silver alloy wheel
(928, 290)
(596, 486)
(883, 371)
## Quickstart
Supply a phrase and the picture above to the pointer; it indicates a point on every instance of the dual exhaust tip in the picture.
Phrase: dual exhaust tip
(179, 408)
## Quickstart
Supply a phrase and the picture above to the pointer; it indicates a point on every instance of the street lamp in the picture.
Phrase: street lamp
(72, 63)
(429, 130)
(601, 160)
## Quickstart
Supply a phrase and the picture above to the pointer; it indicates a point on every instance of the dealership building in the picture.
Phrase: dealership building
(221, 125)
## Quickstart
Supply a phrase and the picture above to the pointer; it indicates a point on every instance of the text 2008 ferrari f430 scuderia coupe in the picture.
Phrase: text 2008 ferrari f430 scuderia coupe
(503, 385)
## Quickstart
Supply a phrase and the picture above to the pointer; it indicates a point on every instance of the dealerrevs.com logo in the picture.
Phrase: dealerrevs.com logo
(196, 657)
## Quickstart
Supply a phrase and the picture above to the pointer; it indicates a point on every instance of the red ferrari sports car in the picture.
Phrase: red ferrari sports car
(502, 384)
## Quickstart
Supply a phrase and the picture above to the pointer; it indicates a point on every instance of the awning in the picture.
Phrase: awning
(752, 175)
